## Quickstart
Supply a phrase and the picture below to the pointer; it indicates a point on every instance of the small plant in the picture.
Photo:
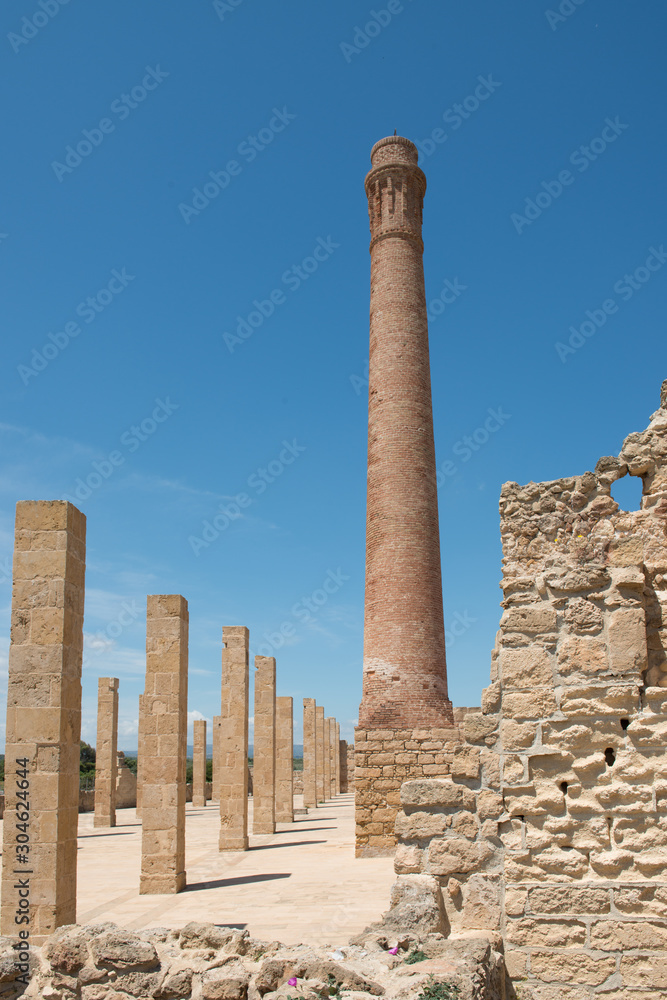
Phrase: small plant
(332, 989)
(415, 956)
(439, 991)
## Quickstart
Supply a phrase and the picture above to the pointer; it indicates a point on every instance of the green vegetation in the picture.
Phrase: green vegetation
(132, 764)
(433, 990)
(416, 956)
(332, 989)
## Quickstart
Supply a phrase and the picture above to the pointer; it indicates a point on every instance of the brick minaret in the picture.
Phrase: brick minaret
(405, 675)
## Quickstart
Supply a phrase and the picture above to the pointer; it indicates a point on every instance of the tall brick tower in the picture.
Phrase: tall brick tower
(405, 674)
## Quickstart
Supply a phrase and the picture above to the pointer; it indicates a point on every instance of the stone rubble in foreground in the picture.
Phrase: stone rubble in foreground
(106, 962)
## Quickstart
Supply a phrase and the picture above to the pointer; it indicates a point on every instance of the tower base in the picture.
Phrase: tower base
(383, 760)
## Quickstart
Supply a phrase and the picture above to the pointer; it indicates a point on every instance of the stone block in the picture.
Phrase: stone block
(626, 635)
(569, 899)
(584, 970)
(517, 735)
(454, 855)
(539, 933)
(581, 656)
(436, 792)
(532, 619)
(529, 705)
(624, 935)
(644, 972)
(526, 667)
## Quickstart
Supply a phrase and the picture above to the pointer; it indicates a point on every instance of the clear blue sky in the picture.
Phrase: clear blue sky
(171, 93)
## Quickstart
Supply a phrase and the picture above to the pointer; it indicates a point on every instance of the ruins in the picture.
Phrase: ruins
(106, 760)
(43, 719)
(162, 746)
(199, 763)
(529, 835)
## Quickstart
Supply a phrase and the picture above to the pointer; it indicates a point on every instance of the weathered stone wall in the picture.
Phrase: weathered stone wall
(561, 841)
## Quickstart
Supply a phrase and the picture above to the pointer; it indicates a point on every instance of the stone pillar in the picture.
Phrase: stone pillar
(231, 741)
(126, 785)
(309, 754)
(342, 765)
(164, 725)
(321, 756)
(337, 756)
(215, 739)
(326, 753)
(284, 761)
(330, 724)
(405, 674)
(140, 753)
(264, 757)
(43, 719)
(199, 764)
(106, 751)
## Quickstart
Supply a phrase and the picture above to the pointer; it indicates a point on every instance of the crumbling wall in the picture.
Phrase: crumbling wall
(563, 836)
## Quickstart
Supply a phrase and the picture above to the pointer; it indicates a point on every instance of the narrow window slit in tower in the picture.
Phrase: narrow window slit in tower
(625, 723)
(610, 756)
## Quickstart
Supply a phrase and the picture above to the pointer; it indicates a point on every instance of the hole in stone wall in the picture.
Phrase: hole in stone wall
(563, 787)
(627, 492)
(610, 756)
(625, 723)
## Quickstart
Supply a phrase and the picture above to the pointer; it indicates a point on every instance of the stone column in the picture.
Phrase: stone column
(309, 754)
(106, 751)
(284, 761)
(331, 746)
(199, 764)
(321, 756)
(43, 719)
(140, 753)
(164, 724)
(342, 763)
(337, 756)
(215, 739)
(326, 752)
(231, 739)
(264, 757)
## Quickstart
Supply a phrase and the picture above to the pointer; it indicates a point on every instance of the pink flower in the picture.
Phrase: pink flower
(393, 951)
(292, 981)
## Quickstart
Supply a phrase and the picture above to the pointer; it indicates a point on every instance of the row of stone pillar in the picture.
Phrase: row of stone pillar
(39, 872)
(322, 752)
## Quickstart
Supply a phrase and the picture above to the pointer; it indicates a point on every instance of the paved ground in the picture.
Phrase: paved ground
(301, 884)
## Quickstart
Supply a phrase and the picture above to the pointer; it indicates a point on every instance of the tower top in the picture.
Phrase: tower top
(394, 149)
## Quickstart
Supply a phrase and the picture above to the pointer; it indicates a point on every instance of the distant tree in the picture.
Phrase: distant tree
(132, 764)
(209, 770)
(2, 767)
(86, 760)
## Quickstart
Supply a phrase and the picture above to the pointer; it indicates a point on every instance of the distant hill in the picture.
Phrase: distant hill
(297, 751)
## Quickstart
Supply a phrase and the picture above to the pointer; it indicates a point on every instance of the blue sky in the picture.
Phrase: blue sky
(195, 368)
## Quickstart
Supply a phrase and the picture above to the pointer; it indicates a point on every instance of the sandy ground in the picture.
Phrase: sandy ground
(301, 884)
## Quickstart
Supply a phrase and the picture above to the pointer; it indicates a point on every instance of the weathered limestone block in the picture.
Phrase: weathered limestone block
(583, 616)
(527, 667)
(199, 764)
(626, 633)
(284, 761)
(320, 773)
(164, 725)
(230, 741)
(106, 751)
(309, 754)
(43, 719)
(581, 657)
(436, 792)
(264, 760)
(415, 906)
(452, 855)
(533, 619)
